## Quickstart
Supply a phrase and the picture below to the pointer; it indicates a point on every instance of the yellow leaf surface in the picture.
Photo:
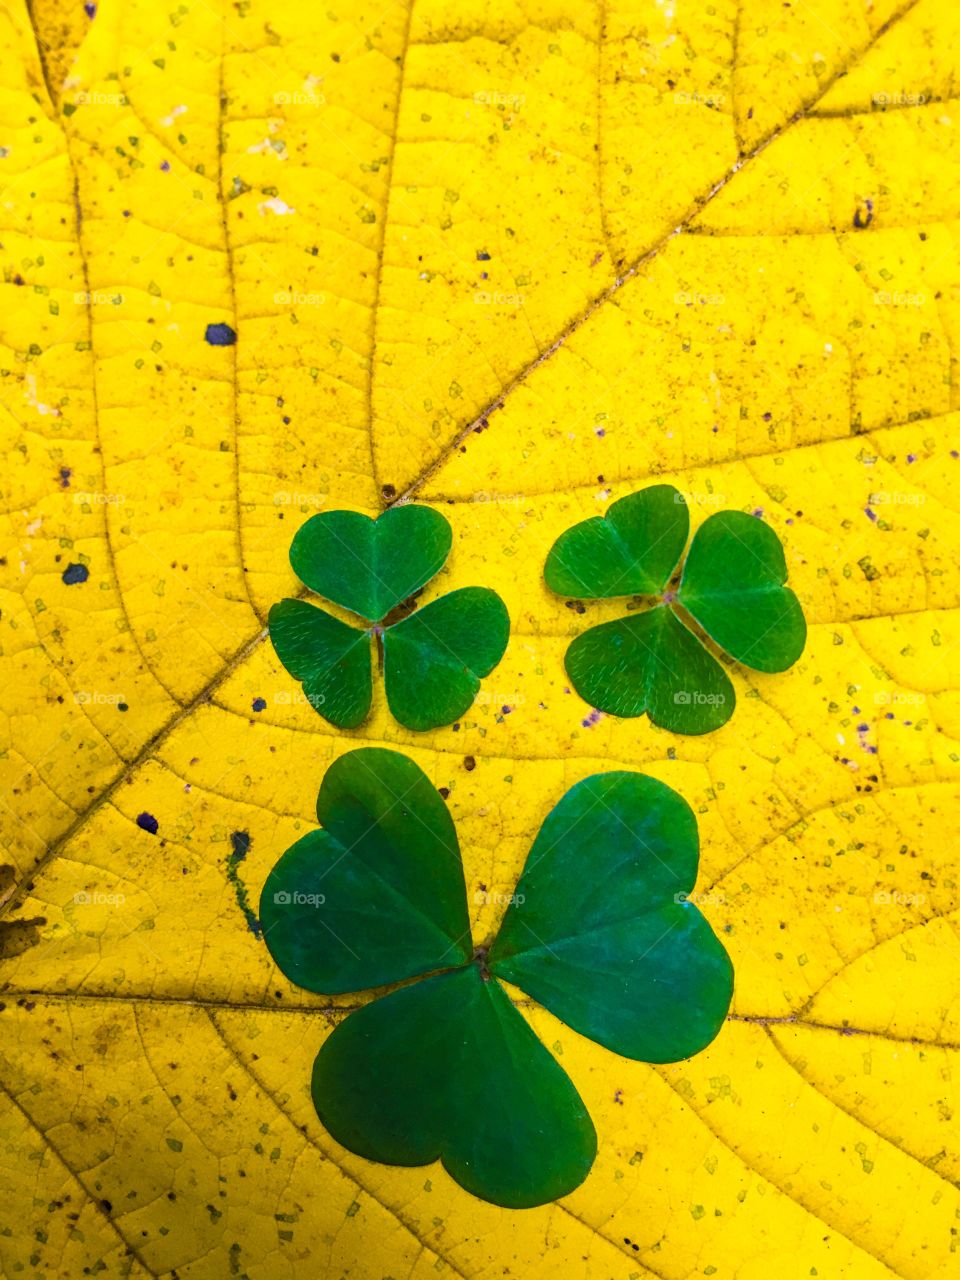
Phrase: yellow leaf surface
(514, 260)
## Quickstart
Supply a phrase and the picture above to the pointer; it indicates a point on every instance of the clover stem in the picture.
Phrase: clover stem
(378, 636)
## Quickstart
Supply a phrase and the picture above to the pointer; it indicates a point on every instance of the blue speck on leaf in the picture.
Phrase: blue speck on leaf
(74, 574)
(220, 335)
(147, 822)
(871, 515)
(259, 704)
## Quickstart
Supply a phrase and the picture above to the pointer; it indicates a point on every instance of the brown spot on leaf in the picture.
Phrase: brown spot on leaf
(18, 936)
(8, 879)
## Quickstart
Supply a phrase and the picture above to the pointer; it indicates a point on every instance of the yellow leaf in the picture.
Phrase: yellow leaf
(513, 260)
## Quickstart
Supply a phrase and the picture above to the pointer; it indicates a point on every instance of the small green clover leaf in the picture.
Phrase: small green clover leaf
(601, 932)
(654, 661)
(433, 658)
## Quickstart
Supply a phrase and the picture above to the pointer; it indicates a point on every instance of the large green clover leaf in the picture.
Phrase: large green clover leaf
(731, 591)
(434, 658)
(600, 931)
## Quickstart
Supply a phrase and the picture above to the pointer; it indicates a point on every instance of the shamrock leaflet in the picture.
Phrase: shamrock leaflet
(432, 658)
(600, 932)
(732, 587)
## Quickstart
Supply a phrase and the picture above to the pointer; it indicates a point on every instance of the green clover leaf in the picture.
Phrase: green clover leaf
(433, 658)
(601, 932)
(731, 591)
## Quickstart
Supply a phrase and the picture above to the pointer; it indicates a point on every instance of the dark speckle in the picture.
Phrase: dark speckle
(147, 822)
(74, 574)
(164, 166)
(259, 704)
(863, 216)
(91, 11)
(65, 474)
(220, 335)
(482, 255)
(871, 515)
(469, 763)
